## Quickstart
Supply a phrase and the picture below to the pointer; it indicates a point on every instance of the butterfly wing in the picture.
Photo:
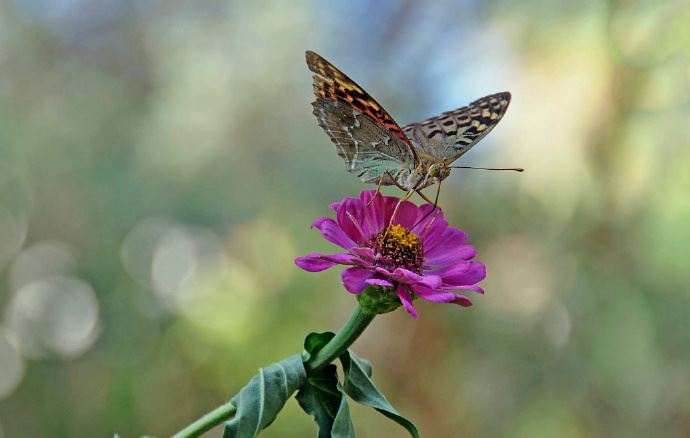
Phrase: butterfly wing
(366, 136)
(451, 134)
(368, 149)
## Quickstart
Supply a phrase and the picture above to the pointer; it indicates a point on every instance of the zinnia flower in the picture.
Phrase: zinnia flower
(430, 261)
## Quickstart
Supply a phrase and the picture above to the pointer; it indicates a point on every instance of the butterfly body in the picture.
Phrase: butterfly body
(429, 171)
(377, 150)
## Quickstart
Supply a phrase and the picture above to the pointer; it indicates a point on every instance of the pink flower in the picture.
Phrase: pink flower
(430, 261)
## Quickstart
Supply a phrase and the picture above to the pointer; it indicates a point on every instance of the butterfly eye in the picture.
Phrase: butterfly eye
(434, 170)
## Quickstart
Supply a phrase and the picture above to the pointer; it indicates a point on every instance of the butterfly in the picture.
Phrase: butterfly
(377, 150)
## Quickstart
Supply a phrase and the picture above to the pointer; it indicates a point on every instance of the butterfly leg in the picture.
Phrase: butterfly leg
(431, 222)
(395, 182)
(419, 192)
(438, 191)
(378, 189)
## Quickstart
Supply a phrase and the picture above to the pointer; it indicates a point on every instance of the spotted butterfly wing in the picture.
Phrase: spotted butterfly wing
(451, 134)
(366, 137)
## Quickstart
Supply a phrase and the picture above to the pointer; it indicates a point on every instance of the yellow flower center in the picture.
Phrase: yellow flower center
(402, 236)
(399, 247)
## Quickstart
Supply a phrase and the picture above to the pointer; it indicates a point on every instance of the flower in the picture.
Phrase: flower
(429, 259)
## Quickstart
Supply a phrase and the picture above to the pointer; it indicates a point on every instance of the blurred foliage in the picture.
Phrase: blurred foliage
(160, 167)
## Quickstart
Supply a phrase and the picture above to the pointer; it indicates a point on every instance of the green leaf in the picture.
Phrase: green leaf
(322, 396)
(321, 399)
(315, 342)
(359, 387)
(259, 402)
(342, 423)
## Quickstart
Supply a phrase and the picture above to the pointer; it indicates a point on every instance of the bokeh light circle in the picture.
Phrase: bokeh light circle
(182, 258)
(41, 260)
(55, 316)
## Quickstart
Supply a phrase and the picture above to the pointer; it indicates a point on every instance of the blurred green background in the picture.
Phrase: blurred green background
(160, 167)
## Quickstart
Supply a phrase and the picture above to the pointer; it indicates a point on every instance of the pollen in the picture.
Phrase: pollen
(403, 236)
(399, 247)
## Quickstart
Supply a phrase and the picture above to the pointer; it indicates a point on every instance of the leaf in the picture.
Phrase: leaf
(322, 393)
(342, 424)
(321, 399)
(315, 342)
(259, 402)
(359, 387)
(322, 396)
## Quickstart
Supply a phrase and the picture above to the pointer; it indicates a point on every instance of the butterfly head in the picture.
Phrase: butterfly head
(439, 171)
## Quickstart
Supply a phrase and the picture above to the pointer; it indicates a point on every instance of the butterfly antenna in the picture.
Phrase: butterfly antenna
(514, 169)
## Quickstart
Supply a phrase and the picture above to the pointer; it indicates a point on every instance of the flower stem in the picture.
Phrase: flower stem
(208, 421)
(359, 320)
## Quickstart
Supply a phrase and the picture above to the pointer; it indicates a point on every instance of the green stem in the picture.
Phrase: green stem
(208, 421)
(359, 320)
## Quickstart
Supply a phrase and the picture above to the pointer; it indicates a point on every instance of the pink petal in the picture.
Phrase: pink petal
(336, 205)
(402, 275)
(383, 271)
(333, 233)
(350, 217)
(439, 296)
(406, 215)
(366, 195)
(473, 288)
(435, 216)
(316, 262)
(364, 253)
(355, 279)
(379, 211)
(379, 282)
(460, 274)
(454, 255)
(406, 299)
(447, 241)
(431, 229)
